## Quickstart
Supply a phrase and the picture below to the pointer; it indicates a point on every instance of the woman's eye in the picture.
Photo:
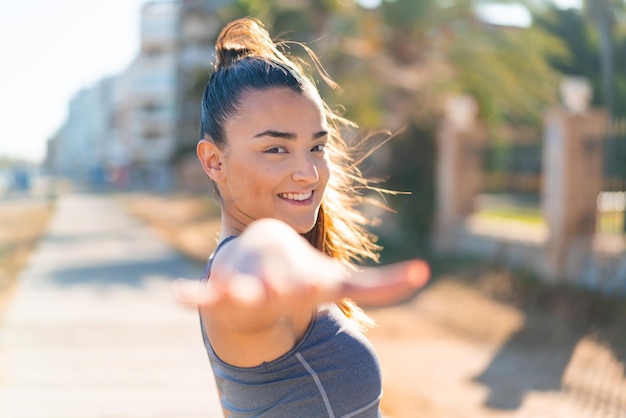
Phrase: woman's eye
(276, 150)
(319, 148)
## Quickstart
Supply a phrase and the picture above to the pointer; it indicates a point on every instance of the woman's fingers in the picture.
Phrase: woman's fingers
(382, 286)
(376, 286)
(193, 294)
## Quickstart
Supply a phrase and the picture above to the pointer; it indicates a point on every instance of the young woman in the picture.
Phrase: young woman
(278, 318)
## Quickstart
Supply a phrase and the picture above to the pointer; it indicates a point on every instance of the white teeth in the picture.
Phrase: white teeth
(296, 196)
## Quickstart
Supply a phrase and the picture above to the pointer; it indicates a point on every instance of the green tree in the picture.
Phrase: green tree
(397, 63)
(595, 40)
(603, 14)
(419, 54)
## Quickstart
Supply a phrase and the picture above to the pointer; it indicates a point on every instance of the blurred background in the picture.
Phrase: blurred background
(509, 135)
(399, 64)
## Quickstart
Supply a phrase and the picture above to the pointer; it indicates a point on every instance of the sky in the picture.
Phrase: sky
(49, 50)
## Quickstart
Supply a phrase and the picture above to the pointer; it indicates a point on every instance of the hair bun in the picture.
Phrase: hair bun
(229, 55)
(241, 38)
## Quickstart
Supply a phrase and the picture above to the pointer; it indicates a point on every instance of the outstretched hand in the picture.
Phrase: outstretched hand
(272, 266)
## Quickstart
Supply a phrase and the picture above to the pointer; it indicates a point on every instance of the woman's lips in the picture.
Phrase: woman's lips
(305, 198)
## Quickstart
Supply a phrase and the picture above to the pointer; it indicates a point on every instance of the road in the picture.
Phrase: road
(93, 329)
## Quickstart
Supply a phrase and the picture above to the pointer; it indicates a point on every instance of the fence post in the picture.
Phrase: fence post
(572, 170)
(459, 171)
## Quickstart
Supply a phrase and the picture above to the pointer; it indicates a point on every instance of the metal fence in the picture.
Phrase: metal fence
(611, 202)
(513, 177)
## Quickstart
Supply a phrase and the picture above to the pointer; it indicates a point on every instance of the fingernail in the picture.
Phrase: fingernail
(418, 273)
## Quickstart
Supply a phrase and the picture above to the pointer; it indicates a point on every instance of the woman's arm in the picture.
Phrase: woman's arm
(266, 284)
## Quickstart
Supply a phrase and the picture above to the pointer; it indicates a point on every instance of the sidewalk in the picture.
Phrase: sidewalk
(93, 329)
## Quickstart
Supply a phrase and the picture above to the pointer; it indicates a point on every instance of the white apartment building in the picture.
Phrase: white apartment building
(133, 129)
(146, 99)
(198, 25)
(82, 144)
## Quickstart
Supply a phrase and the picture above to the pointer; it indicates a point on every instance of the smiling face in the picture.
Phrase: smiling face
(274, 164)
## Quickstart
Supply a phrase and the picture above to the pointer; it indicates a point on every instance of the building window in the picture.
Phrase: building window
(151, 135)
(152, 107)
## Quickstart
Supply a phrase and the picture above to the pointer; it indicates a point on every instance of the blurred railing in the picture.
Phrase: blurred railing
(611, 202)
(553, 202)
(512, 178)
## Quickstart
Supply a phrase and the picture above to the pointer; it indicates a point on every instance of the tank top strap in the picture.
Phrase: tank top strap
(205, 277)
(207, 269)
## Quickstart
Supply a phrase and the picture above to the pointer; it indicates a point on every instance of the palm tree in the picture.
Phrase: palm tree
(602, 13)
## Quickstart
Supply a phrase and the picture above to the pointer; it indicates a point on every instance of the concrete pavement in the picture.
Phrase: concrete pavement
(93, 329)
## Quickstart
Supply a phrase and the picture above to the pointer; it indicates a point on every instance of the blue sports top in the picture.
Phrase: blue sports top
(332, 372)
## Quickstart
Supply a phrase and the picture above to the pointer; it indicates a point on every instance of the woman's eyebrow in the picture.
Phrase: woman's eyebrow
(276, 134)
(287, 135)
(320, 134)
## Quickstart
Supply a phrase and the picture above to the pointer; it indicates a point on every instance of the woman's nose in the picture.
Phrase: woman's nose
(305, 170)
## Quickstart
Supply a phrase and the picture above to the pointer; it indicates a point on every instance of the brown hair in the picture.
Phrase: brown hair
(248, 59)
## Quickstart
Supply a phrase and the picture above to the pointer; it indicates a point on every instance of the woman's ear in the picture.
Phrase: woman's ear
(210, 157)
